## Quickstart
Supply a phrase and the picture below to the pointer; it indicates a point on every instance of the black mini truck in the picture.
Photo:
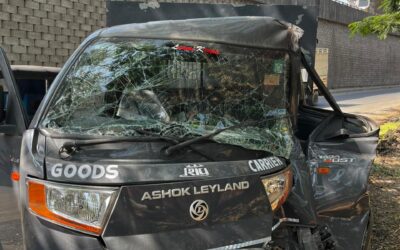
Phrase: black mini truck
(193, 134)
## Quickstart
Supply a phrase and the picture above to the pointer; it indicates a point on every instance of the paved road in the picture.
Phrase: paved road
(377, 103)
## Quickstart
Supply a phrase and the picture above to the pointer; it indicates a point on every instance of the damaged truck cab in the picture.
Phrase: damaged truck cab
(192, 134)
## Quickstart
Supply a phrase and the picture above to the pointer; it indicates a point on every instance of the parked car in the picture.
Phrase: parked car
(27, 85)
(191, 134)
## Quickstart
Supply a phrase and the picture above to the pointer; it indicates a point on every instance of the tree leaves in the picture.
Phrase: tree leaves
(380, 25)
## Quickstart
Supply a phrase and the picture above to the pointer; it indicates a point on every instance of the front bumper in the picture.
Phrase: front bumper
(238, 216)
(41, 234)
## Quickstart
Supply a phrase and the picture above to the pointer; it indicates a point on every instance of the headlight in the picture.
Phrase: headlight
(278, 187)
(77, 207)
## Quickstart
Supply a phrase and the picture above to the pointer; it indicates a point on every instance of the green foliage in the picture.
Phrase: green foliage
(380, 25)
(387, 128)
(390, 6)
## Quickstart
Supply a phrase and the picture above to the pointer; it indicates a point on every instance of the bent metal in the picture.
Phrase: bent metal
(186, 191)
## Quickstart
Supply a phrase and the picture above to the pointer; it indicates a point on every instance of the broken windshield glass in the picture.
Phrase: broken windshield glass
(178, 89)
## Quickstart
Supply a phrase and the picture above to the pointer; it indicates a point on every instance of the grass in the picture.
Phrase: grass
(385, 189)
(388, 128)
(385, 169)
(389, 138)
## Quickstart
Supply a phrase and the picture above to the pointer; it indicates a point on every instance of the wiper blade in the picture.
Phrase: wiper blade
(168, 151)
(70, 147)
(178, 146)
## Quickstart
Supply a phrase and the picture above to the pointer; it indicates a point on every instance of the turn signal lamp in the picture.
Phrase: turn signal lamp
(15, 176)
(278, 187)
(81, 208)
(323, 170)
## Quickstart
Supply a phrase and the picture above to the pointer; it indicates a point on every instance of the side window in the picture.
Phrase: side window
(31, 86)
(32, 92)
(3, 100)
(310, 94)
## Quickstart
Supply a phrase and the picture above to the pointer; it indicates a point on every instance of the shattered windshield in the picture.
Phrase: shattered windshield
(180, 89)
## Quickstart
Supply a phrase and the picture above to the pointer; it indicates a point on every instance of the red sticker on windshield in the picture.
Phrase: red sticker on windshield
(184, 48)
(211, 51)
(199, 48)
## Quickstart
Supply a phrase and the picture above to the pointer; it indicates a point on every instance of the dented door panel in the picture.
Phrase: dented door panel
(340, 164)
(346, 172)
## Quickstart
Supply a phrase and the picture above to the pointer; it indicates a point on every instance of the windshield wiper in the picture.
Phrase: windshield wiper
(168, 151)
(70, 147)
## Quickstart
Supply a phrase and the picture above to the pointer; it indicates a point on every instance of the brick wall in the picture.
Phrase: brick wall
(359, 61)
(309, 2)
(46, 32)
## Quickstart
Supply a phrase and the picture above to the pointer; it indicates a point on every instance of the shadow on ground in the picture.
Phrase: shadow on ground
(385, 193)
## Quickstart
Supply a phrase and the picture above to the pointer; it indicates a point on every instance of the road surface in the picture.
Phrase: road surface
(377, 104)
(10, 225)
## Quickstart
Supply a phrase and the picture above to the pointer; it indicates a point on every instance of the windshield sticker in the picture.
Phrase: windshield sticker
(271, 80)
(265, 164)
(197, 49)
(187, 191)
(278, 66)
(195, 170)
(84, 171)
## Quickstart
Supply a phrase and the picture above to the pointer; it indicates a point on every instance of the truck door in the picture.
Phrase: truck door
(12, 124)
(340, 152)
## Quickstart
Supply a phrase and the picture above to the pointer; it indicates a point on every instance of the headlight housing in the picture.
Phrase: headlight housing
(278, 187)
(77, 207)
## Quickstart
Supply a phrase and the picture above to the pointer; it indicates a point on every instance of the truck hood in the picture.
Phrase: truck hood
(130, 163)
(185, 204)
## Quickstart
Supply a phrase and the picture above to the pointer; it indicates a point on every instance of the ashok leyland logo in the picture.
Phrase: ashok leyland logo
(194, 170)
(198, 210)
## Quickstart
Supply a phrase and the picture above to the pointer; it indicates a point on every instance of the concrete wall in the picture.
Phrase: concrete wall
(46, 32)
(358, 61)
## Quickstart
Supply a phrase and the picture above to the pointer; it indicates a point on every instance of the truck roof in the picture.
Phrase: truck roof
(250, 31)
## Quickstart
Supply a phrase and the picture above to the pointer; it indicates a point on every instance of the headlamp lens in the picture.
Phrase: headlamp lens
(77, 207)
(278, 187)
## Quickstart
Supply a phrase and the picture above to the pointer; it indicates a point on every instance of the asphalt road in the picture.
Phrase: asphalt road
(377, 104)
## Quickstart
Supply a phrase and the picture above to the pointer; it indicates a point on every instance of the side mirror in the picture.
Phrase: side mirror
(2, 113)
(7, 129)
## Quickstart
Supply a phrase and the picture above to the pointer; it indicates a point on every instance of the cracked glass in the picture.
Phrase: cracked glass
(181, 89)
